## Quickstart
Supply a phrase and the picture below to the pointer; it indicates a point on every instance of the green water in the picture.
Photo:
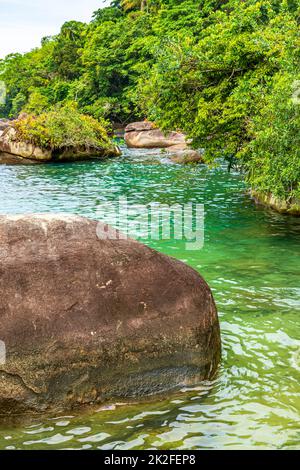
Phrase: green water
(251, 261)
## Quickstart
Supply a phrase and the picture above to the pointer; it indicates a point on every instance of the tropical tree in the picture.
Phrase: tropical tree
(134, 4)
(67, 49)
(220, 70)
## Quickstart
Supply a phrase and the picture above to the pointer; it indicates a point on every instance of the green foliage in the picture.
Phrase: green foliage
(272, 158)
(67, 50)
(220, 70)
(62, 126)
(17, 103)
(36, 104)
(220, 87)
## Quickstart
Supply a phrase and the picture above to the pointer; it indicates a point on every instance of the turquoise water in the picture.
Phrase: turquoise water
(250, 258)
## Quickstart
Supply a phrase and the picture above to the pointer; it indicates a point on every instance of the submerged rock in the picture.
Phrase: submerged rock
(85, 319)
(183, 154)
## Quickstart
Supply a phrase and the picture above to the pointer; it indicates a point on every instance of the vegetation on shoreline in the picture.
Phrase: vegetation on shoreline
(225, 72)
(60, 127)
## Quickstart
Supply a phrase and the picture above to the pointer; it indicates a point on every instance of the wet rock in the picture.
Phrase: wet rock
(183, 154)
(291, 207)
(85, 319)
(9, 159)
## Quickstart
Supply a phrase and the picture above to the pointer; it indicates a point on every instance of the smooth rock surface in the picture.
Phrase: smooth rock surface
(84, 319)
(9, 159)
(146, 135)
(183, 154)
(9, 144)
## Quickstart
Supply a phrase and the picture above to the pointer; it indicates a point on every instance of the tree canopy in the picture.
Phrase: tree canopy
(226, 72)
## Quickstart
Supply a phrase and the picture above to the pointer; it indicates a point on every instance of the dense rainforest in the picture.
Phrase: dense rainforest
(225, 72)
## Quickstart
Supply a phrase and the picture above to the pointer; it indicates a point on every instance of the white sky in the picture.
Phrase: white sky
(23, 23)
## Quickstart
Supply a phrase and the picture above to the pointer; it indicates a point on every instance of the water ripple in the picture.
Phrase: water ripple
(250, 259)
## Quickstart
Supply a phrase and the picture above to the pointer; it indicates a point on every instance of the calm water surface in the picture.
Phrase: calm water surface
(251, 259)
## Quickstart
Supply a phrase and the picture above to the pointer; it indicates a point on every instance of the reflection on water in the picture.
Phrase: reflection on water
(251, 261)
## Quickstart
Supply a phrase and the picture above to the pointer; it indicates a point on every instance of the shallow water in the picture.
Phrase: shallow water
(250, 259)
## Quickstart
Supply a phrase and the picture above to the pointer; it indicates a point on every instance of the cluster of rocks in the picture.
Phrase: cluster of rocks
(137, 135)
(146, 135)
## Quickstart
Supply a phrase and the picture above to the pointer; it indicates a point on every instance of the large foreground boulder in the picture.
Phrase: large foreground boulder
(84, 319)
